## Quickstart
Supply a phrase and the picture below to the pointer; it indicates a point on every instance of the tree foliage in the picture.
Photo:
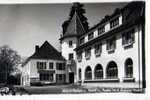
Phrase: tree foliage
(9, 59)
(78, 8)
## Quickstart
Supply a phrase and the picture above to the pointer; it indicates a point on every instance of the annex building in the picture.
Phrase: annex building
(109, 54)
(45, 66)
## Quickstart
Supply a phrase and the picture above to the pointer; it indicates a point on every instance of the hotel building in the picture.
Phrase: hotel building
(109, 54)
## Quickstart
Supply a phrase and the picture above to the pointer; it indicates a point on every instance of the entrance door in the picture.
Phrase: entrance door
(71, 77)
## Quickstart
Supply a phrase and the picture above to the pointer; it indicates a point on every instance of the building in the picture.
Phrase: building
(109, 54)
(45, 66)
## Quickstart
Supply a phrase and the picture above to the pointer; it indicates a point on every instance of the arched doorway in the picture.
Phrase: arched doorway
(129, 68)
(98, 72)
(88, 73)
(112, 70)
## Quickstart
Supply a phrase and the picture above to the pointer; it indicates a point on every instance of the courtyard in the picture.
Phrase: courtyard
(70, 89)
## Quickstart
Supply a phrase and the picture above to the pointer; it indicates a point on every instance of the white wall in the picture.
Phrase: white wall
(119, 56)
(30, 69)
(66, 49)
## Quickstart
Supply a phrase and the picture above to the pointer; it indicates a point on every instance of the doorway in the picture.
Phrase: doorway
(71, 77)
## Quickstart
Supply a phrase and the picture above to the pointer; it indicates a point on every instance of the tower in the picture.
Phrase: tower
(75, 26)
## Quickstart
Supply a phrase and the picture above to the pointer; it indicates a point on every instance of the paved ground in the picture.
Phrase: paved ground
(63, 89)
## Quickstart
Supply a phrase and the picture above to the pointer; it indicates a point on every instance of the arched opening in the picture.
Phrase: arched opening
(112, 71)
(79, 73)
(129, 68)
(88, 73)
(98, 72)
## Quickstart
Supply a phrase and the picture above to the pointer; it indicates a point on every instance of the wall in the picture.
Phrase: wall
(119, 56)
(30, 69)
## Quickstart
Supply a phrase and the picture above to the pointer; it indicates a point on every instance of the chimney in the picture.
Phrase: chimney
(36, 48)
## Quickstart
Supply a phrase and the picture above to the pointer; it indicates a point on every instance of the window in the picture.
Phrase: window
(60, 77)
(111, 44)
(128, 38)
(98, 49)
(101, 30)
(70, 43)
(129, 68)
(88, 73)
(98, 72)
(90, 36)
(79, 56)
(60, 66)
(81, 41)
(50, 65)
(80, 74)
(46, 77)
(88, 53)
(114, 22)
(112, 71)
(70, 56)
(41, 65)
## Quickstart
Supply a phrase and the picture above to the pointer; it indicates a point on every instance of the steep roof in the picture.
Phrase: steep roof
(47, 51)
(75, 27)
(132, 14)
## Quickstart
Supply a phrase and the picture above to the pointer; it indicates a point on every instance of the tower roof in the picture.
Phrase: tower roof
(76, 25)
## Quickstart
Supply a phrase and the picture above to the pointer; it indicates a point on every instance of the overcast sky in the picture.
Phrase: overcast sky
(24, 26)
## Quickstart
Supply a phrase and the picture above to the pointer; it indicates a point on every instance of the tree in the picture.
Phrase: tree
(78, 8)
(9, 59)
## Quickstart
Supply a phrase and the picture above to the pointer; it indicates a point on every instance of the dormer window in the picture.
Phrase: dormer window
(81, 41)
(90, 36)
(101, 30)
(114, 22)
(111, 44)
(128, 38)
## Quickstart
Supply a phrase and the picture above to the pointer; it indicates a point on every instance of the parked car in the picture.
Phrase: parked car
(4, 90)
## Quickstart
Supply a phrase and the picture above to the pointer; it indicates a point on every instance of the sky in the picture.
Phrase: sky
(26, 25)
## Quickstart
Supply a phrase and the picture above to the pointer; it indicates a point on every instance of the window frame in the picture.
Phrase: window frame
(98, 49)
(111, 44)
(101, 30)
(128, 37)
(114, 23)
(51, 64)
(90, 36)
(70, 43)
(88, 53)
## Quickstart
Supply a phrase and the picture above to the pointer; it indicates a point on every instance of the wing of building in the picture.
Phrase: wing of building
(45, 66)
(111, 53)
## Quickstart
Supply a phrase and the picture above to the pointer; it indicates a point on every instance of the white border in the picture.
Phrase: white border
(95, 96)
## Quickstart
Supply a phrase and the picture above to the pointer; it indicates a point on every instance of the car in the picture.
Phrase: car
(4, 90)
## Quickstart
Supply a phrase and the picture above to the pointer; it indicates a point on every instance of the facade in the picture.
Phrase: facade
(111, 53)
(45, 66)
